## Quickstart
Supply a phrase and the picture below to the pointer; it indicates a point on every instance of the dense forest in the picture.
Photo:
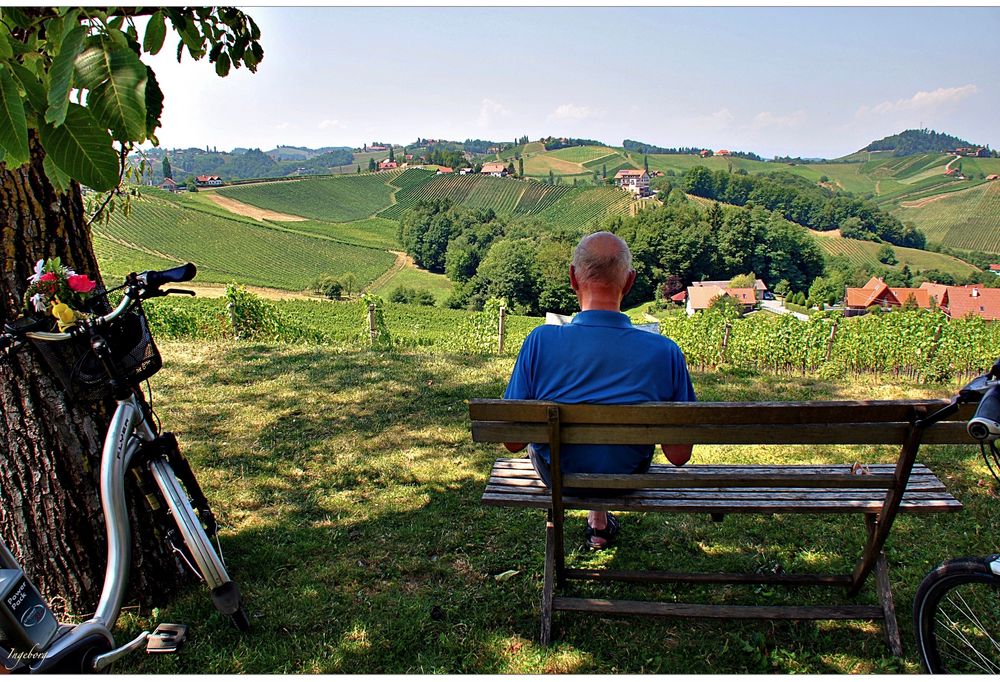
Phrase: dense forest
(805, 203)
(527, 262)
(916, 142)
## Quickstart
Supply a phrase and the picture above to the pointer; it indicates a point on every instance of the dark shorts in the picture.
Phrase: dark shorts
(542, 467)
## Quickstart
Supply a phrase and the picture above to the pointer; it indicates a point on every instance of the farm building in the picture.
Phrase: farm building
(705, 153)
(634, 181)
(993, 177)
(995, 268)
(877, 293)
(701, 297)
(169, 185)
(387, 165)
(758, 285)
(444, 170)
(723, 152)
(494, 168)
(208, 181)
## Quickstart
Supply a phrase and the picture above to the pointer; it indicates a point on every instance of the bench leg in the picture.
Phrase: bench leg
(892, 637)
(548, 589)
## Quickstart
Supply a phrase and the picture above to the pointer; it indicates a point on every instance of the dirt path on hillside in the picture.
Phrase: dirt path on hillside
(920, 203)
(402, 261)
(239, 208)
(219, 290)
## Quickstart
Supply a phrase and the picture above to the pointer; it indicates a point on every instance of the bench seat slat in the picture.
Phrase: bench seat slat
(740, 494)
(621, 607)
(924, 483)
(699, 505)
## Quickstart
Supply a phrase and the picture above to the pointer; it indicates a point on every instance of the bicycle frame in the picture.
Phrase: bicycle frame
(126, 433)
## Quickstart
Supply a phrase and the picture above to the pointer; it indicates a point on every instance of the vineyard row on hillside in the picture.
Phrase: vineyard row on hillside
(921, 344)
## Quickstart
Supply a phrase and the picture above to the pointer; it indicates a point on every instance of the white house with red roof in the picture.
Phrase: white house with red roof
(208, 181)
(495, 168)
(387, 165)
(634, 181)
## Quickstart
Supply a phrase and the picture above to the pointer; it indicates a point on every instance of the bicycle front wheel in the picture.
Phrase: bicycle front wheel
(956, 615)
(209, 565)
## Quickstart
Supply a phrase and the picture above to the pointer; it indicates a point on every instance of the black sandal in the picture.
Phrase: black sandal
(609, 533)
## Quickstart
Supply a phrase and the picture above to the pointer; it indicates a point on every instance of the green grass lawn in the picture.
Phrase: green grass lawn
(349, 490)
(439, 285)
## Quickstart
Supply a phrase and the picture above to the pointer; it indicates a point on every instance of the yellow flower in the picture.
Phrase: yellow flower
(65, 316)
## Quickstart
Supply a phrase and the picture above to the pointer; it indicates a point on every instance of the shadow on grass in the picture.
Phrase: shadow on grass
(351, 489)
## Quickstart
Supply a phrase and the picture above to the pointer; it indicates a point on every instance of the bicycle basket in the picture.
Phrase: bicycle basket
(79, 370)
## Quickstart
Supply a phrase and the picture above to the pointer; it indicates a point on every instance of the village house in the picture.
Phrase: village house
(993, 177)
(995, 268)
(723, 152)
(981, 152)
(464, 171)
(208, 181)
(877, 293)
(705, 153)
(494, 168)
(758, 286)
(701, 297)
(972, 299)
(634, 181)
(387, 165)
(444, 170)
(169, 185)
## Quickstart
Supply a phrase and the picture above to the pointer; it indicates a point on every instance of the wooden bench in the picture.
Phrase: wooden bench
(879, 494)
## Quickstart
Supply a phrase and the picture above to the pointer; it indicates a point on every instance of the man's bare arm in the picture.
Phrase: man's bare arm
(678, 455)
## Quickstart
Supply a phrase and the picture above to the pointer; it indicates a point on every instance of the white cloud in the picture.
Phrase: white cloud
(722, 118)
(329, 123)
(571, 112)
(282, 126)
(766, 119)
(489, 110)
(922, 100)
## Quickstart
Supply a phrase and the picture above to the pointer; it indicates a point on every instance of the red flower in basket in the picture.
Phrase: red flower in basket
(80, 283)
(48, 277)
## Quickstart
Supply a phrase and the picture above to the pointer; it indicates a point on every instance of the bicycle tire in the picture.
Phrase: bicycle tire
(225, 593)
(956, 616)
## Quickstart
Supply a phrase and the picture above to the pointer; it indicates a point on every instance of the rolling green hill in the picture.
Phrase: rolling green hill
(968, 219)
(339, 198)
(161, 231)
(865, 254)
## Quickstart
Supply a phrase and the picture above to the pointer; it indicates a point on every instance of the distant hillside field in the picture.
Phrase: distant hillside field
(865, 254)
(338, 199)
(161, 232)
(968, 219)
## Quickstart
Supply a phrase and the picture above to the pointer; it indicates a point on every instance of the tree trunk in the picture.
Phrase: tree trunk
(50, 444)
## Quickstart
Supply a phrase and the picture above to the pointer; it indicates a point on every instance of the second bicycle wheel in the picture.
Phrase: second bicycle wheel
(956, 613)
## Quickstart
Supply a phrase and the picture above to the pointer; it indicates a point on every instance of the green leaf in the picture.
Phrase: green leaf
(61, 74)
(91, 68)
(13, 124)
(32, 86)
(119, 103)
(6, 52)
(82, 149)
(59, 180)
(154, 104)
(156, 31)
(222, 65)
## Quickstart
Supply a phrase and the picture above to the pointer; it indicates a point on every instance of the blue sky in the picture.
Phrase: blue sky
(806, 81)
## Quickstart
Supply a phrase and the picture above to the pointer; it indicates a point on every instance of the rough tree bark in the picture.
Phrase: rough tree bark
(50, 512)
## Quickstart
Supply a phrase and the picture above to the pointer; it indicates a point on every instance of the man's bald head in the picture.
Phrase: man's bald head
(602, 257)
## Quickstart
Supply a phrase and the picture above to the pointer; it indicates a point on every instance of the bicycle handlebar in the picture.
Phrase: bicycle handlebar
(140, 286)
(156, 278)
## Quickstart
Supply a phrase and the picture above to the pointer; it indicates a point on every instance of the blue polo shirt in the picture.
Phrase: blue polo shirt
(599, 358)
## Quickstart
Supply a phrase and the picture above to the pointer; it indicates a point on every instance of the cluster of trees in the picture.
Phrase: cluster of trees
(441, 156)
(805, 203)
(334, 287)
(644, 148)
(552, 143)
(527, 263)
(917, 142)
(247, 164)
(411, 295)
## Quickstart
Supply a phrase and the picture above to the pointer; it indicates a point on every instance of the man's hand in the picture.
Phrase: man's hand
(678, 455)
(515, 447)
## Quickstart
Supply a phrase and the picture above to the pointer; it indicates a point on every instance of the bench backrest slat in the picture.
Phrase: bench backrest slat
(863, 433)
(723, 414)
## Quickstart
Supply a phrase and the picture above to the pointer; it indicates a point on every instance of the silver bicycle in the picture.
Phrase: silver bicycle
(109, 355)
(956, 610)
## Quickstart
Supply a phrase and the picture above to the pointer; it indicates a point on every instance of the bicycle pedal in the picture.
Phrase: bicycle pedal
(166, 638)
